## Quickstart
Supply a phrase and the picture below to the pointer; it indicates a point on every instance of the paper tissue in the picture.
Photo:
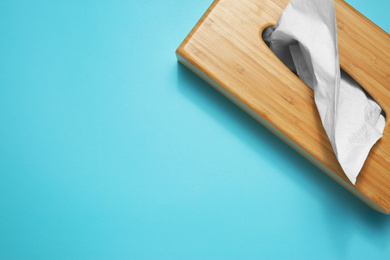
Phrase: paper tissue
(305, 40)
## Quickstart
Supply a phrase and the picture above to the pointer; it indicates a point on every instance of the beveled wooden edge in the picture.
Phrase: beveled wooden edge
(244, 107)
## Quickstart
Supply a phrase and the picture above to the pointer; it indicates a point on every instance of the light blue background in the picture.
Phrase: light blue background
(109, 149)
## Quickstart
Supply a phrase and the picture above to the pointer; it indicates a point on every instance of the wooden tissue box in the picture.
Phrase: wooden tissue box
(226, 49)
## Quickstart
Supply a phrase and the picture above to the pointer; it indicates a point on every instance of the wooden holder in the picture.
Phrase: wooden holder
(225, 48)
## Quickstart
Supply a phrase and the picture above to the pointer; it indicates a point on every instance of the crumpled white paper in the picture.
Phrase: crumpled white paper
(305, 39)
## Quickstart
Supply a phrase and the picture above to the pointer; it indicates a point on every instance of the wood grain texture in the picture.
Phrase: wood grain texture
(225, 49)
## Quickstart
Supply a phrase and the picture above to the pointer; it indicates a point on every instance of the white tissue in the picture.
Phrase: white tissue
(305, 39)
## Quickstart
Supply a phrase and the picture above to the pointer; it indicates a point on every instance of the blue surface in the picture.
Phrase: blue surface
(109, 149)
